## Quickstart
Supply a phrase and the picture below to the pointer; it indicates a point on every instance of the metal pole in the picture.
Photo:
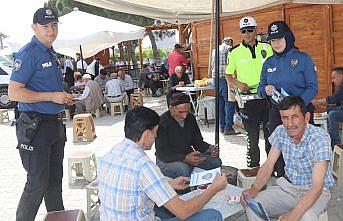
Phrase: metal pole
(217, 70)
(81, 55)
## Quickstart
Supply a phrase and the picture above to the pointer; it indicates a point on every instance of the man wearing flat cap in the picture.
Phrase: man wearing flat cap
(179, 143)
(36, 83)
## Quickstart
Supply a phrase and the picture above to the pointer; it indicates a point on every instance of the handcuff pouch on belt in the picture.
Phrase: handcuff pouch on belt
(26, 128)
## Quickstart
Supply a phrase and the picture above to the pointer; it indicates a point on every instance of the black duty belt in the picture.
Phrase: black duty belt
(114, 96)
(46, 117)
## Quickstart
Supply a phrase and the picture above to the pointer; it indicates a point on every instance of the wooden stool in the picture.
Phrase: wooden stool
(68, 114)
(136, 99)
(83, 127)
(338, 164)
(84, 164)
(65, 215)
(93, 201)
(4, 116)
(116, 108)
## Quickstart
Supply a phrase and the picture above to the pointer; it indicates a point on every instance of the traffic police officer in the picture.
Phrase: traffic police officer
(36, 83)
(289, 72)
(246, 60)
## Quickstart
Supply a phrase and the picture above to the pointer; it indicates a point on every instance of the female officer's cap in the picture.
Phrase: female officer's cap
(44, 16)
(277, 30)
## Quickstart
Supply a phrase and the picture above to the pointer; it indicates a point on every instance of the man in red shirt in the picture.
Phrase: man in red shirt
(175, 58)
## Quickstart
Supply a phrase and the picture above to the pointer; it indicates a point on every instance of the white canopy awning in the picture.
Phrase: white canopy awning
(184, 11)
(93, 33)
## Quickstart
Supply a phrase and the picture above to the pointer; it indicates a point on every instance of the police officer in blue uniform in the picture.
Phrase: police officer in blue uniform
(36, 83)
(288, 72)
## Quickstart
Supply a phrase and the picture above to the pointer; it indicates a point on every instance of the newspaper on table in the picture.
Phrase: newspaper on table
(204, 177)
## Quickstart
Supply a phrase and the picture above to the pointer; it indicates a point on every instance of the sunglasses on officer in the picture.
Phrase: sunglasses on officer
(250, 30)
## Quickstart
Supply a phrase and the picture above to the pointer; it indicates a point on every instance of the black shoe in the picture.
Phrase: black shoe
(221, 130)
(154, 95)
(230, 132)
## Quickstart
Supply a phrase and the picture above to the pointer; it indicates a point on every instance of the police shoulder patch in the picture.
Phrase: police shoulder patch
(17, 64)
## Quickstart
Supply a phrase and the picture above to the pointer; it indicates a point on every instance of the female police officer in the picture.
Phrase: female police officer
(36, 83)
(289, 72)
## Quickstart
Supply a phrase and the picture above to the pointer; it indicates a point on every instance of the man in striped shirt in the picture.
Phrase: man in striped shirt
(130, 184)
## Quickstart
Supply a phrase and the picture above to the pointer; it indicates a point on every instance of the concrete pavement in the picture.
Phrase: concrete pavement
(110, 130)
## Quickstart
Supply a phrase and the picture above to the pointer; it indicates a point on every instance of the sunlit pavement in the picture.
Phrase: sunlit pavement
(110, 130)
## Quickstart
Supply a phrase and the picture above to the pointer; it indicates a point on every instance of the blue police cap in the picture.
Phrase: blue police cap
(44, 16)
(277, 30)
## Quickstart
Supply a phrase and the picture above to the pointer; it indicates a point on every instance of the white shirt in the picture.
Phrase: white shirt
(68, 63)
(127, 83)
(85, 93)
(113, 88)
(79, 65)
(78, 84)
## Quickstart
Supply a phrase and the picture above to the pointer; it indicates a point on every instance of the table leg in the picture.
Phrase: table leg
(192, 102)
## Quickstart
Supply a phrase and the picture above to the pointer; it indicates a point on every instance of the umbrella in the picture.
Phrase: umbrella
(93, 33)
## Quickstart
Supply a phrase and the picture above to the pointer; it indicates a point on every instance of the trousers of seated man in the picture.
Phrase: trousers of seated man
(281, 199)
(177, 169)
(121, 97)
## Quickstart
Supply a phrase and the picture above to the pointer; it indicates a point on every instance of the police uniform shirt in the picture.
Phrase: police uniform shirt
(294, 72)
(37, 67)
(248, 63)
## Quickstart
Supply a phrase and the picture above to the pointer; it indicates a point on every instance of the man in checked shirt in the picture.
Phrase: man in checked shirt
(303, 193)
(130, 184)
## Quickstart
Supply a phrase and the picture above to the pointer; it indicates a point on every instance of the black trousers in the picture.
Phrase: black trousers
(43, 162)
(129, 92)
(274, 122)
(255, 113)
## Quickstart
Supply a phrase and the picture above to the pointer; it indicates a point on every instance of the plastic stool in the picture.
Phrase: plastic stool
(116, 108)
(136, 99)
(4, 116)
(83, 127)
(93, 201)
(246, 177)
(338, 164)
(65, 215)
(84, 164)
(323, 216)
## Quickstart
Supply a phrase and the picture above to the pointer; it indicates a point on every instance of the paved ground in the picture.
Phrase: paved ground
(109, 131)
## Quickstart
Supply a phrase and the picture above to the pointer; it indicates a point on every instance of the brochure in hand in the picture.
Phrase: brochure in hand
(257, 208)
(208, 152)
(204, 177)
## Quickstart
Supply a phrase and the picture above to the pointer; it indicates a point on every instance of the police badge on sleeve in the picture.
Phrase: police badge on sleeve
(17, 64)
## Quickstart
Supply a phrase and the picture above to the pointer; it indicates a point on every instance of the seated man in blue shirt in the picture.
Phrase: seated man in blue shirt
(334, 105)
(303, 193)
(130, 184)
